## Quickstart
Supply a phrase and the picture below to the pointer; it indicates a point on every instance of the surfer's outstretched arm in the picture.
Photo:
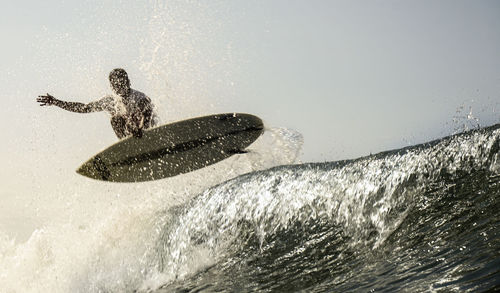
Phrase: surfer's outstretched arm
(49, 100)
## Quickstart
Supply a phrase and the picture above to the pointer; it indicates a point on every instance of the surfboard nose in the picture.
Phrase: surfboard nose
(95, 169)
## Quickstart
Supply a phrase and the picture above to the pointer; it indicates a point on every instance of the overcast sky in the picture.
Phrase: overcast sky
(353, 77)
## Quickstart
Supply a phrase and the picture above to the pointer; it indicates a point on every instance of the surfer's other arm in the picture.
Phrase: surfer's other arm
(49, 100)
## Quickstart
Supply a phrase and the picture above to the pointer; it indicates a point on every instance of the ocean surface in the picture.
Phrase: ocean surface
(425, 218)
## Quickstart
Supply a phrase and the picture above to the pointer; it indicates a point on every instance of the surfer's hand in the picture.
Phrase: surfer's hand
(136, 124)
(46, 100)
(134, 130)
(137, 133)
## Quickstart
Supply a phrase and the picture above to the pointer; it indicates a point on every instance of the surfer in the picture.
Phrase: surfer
(131, 110)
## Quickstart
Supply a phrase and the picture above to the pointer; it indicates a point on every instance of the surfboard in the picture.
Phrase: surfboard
(175, 148)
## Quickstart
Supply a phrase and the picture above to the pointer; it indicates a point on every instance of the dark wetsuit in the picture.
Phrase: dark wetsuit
(129, 114)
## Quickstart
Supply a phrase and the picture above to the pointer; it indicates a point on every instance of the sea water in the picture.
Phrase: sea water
(421, 218)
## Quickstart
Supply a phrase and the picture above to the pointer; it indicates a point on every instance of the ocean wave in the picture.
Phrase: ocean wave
(289, 209)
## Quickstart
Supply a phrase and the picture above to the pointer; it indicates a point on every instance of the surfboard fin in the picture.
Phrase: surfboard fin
(235, 152)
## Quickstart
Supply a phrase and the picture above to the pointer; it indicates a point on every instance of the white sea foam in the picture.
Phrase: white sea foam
(104, 237)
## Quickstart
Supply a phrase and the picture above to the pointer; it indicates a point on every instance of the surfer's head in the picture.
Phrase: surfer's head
(119, 81)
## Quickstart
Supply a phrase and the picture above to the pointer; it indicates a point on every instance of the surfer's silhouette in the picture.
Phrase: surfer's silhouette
(131, 110)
